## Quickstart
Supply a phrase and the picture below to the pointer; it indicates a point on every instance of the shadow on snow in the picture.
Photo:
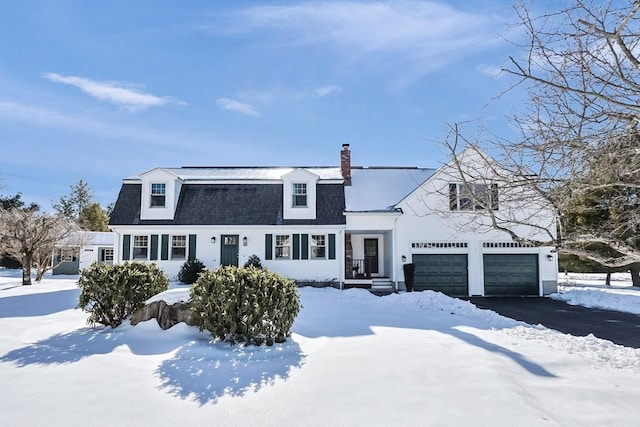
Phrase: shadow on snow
(70, 347)
(198, 370)
(204, 373)
(39, 304)
(420, 310)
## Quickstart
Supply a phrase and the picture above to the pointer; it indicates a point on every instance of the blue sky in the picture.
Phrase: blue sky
(104, 90)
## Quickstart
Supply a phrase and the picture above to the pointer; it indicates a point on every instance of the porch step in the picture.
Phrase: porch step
(381, 283)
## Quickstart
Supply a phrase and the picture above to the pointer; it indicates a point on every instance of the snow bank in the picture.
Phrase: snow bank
(589, 290)
(410, 359)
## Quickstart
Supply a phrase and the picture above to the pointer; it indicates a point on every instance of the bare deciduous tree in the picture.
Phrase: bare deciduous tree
(29, 236)
(580, 145)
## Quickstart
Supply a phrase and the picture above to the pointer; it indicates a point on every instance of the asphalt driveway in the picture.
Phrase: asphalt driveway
(620, 328)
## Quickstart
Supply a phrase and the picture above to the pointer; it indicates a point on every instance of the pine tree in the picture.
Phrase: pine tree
(93, 218)
(71, 205)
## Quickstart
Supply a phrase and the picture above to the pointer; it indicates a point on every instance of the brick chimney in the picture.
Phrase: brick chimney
(345, 164)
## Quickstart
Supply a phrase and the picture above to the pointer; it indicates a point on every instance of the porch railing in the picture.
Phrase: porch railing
(359, 268)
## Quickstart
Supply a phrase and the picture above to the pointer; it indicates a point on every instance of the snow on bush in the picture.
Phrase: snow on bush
(249, 305)
(111, 293)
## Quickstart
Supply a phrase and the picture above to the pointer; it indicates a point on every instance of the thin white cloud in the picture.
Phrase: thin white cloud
(115, 92)
(327, 90)
(42, 115)
(282, 93)
(238, 107)
(411, 39)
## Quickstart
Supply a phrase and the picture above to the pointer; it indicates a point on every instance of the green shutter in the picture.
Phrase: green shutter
(296, 246)
(332, 246)
(268, 246)
(154, 247)
(164, 251)
(192, 247)
(126, 247)
(304, 246)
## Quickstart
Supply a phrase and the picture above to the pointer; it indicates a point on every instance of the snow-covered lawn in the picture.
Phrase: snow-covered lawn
(590, 290)
(418, 359)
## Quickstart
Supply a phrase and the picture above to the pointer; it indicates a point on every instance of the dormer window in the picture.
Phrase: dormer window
(158, 195)
(299, 195)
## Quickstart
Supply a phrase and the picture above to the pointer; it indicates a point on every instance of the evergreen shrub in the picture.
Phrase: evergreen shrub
(248, 305)
(190, 271)
(111, 293)
(253, 261)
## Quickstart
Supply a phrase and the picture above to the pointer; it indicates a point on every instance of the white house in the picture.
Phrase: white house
(350, 226)
(81, 249)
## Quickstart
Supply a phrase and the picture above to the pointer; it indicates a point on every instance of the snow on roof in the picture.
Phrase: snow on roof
(375, 189)
(96, 238)
(247, 173)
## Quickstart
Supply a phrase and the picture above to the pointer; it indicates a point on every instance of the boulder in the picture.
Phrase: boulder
(166, 315)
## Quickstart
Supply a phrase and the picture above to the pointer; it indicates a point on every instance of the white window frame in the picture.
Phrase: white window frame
(299, 193)
(464, 200)
(158, 192)
(108, 255)
(282, 246)
(139, 246)
(177, 247)
(318, 242)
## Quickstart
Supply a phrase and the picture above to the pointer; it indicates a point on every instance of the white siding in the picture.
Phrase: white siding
(299, 176)
(210, 253)
(427, 218)
(172, 192)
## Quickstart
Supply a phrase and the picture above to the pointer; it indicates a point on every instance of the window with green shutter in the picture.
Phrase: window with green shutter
(126, 247)
(164, 248)
(268, 246)
(332, 246)
(304, 246)
(154, 247)
(192, 247)
(296, 246)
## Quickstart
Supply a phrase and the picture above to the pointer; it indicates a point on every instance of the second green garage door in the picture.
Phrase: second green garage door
(510, 274)
(443, 273)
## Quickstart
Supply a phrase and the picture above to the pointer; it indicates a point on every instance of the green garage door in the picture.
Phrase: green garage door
(443, 273)
(510, 275)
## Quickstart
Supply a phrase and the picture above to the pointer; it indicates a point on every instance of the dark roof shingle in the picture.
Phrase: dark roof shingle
(230, 204)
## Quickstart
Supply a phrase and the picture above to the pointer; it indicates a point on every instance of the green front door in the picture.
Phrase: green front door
(446, 273)
(229, 250)
(510, 274)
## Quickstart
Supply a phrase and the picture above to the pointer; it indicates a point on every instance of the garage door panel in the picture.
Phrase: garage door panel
(442, 273)
(510, 274)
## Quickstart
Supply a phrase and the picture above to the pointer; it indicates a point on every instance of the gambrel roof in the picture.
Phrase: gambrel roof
(230, 204)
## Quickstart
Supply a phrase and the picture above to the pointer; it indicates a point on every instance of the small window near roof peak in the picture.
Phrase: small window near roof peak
(299, 195)
(158, 195)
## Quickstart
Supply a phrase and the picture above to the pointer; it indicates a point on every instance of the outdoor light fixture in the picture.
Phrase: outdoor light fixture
(404, 258)
(244, 241)
(549, 257)
(213, 239)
